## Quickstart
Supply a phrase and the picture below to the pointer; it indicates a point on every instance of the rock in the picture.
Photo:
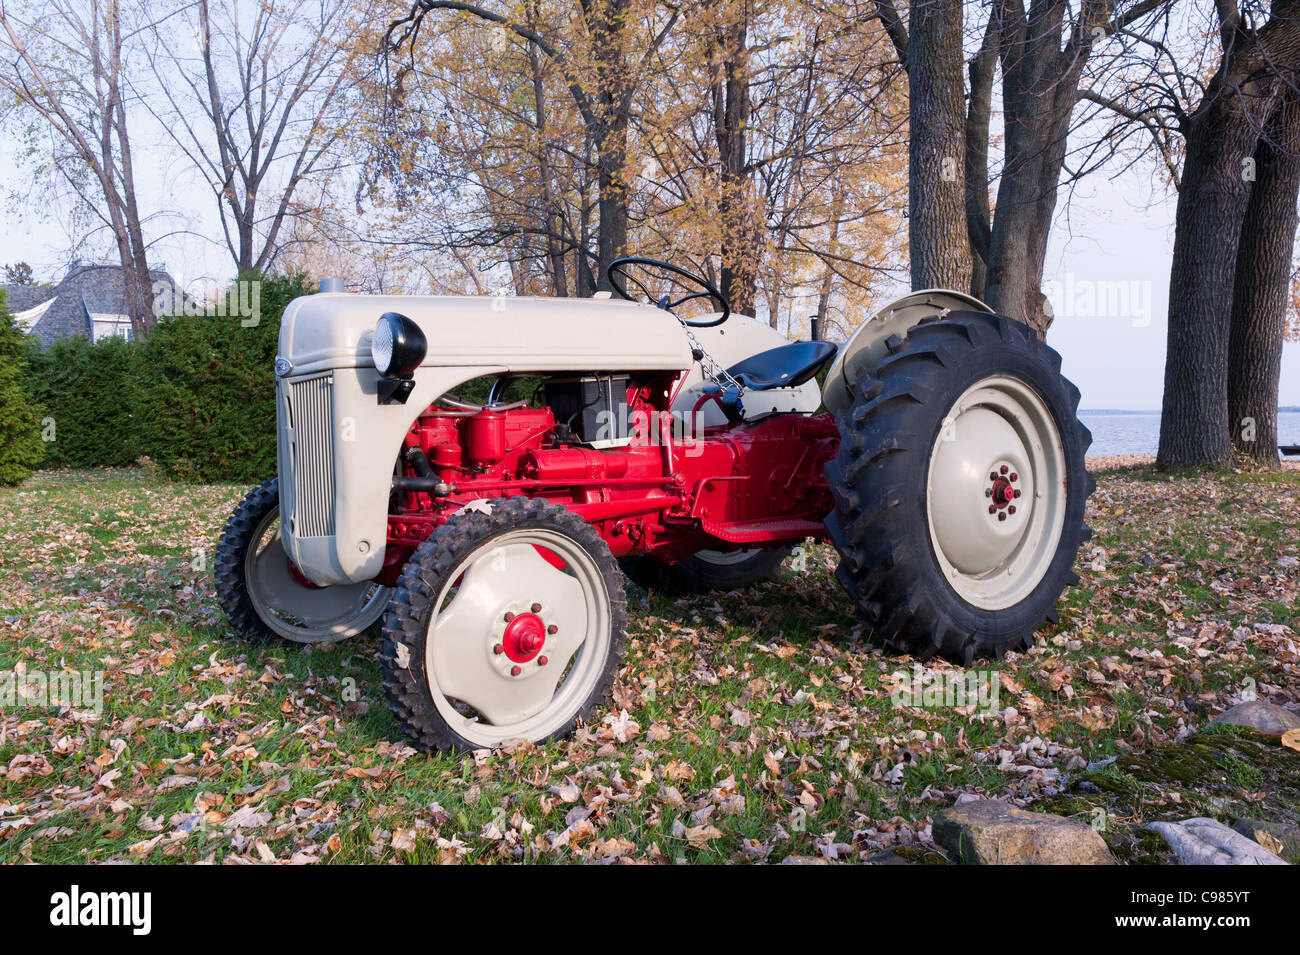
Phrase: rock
(908, 855)
(888, 857)
(1259, 716)
(990, 832)
(1202, 841)
(1287, 834)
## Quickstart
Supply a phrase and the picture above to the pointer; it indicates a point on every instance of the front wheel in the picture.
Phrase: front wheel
(508, 624)
(960, 488)
(264, 595)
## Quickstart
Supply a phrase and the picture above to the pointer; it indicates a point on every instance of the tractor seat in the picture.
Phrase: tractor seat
(785, 366)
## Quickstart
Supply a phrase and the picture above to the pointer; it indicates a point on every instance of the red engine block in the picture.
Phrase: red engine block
(756, 484)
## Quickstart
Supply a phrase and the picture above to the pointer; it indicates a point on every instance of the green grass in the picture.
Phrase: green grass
(764, 727)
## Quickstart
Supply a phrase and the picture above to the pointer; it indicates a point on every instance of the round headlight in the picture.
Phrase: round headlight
(381, 347)
(397, 346)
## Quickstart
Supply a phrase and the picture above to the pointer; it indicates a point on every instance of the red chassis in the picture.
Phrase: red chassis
(669, 490)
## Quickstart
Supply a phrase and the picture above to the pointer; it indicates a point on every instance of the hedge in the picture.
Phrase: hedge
(205, 391)
(21, 448)
(197, 397)
(86, 391)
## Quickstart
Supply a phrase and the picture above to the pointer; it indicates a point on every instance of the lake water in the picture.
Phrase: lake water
(1140, 433)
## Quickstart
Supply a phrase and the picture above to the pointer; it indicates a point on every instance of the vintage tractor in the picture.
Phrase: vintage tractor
(684, 450)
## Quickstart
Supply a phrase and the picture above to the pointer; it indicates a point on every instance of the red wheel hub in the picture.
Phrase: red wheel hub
(524, 637)
(1003, 492)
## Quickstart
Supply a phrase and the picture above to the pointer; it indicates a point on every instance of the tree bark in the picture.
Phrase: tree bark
(552, 220)
(1040, 82)
(614, 86)
(1262, 285)
(978, 112)
(940, 250)
(731, 102)
(1222, 135)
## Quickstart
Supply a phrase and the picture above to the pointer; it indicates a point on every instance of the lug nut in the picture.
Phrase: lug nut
(1017, 493)
(988, 492)
(993, 475)
(516, 670)
(542, 661)
(537, 608)
(1011, 509)
(552, 629)
(498, 649)
(509, 617)
(1004, 469)
(993, 508)
(1002, 515)
(1015, 476)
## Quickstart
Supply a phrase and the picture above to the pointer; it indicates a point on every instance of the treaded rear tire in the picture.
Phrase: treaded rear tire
(696, 574)
(880, 523)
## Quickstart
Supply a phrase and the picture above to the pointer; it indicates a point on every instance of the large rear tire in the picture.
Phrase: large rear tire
(960, 488)
(707, 570)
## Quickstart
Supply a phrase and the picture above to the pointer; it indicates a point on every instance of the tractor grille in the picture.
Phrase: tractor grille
(307, 456)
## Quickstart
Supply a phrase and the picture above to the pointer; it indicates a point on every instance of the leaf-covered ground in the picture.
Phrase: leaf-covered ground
(749, 726)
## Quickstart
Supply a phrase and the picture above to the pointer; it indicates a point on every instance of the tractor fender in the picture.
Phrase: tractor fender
(868, 343)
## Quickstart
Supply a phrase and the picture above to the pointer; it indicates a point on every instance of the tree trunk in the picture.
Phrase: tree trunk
(730, 94)
(978, 112)
(940, 249)
(137, 282)
(611, 231)
(1262, 286)
(551, 221)
(1222, 134)
(608, 23)
(1040, 81)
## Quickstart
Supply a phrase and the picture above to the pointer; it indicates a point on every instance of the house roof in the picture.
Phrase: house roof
(28, 317)
(86, 291)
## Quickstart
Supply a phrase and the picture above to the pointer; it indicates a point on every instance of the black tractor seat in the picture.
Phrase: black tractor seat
(785, 366)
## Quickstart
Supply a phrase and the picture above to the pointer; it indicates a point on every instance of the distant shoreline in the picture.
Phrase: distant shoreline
(1285, 409)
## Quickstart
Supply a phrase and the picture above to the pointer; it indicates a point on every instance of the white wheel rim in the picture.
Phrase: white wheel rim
(297, 611)
(996, 493)
(483, 692)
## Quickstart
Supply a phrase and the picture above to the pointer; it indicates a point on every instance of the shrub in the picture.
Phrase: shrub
(21, 448)
(205, 390)
(87, 390)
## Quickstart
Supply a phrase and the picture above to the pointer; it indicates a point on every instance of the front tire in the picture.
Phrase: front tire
(960, 488)
(508, 623)
(263, 594)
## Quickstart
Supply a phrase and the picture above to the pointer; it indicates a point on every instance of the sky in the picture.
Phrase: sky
(1107, 275)
(1112, 232)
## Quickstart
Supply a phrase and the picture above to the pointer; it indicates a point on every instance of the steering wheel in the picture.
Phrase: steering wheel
(618, 269)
